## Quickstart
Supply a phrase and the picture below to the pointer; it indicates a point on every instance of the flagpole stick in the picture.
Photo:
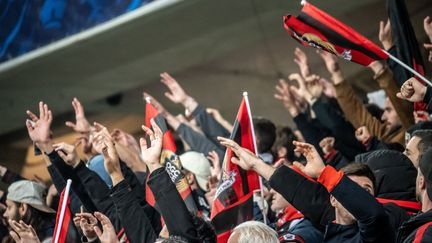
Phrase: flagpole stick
(245, 95)
(63, 210)
(408, 68)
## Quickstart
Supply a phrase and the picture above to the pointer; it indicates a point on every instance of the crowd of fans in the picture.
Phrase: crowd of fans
(349, 172)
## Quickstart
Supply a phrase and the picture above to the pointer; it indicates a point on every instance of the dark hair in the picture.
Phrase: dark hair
(425, 142)
(284, 139)
(38, 219)
(265, 131)
(359, 169)
(374, 110)
(419, 126)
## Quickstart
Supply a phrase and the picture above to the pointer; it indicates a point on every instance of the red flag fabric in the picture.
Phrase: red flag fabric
(313, 27)
(171, 161)
(233, 202)
(68, 232)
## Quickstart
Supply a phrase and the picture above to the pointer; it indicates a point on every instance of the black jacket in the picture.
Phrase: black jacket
(331, 117)
(172, 207)
(417, 228)
(133, 217)
(394, 172)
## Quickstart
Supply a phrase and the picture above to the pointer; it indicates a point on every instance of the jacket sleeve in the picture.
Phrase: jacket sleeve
(197, 141)
(172, 207)
(330, 116)
(211, 128)
(403, 108)
(10, 177)
(311, 129)
(99, 193)
(373, 222)
(355, 112)
(60, 172)
(133, 218)
(307, 196)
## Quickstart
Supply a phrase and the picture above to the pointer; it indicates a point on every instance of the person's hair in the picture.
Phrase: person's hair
(427, 125)
(38, 219)
(265, 130)
(255, 231)
(425, 142)
(374, 110)
(359, 169)
(284, 138)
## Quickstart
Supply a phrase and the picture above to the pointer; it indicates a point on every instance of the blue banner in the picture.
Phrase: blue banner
(29, 24)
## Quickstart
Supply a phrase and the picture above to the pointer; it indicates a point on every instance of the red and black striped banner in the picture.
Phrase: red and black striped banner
(233, 202)
(313, 27)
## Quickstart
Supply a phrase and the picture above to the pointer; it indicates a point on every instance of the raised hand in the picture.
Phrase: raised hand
(68, 153)
(412, 90)
(301, 59)
(87, 222)
(301, 90)
(283, 94)
(176, 93)
(327, 145)
(107, 234)
(22, 233)
(246, 159)
(81, 125)
(362, 134)
(427, 24)
(151, 154)
(330, 61)
(314, 86)
(385, 34)
(39, 127)
(314, 165)
(109, 152)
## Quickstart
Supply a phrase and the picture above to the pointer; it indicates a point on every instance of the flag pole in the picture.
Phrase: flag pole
(408, 68)
(245, 95)
(63, 210)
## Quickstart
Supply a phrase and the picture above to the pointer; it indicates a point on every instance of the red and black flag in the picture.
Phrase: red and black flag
(405, 45)
(233, 203)
(65, 230)
(313, 27)
(170, 160)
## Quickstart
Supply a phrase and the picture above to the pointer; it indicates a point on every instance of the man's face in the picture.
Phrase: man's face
(411, 150)
(12, 211)
(341, 212)
(390, 117)
(278, 202)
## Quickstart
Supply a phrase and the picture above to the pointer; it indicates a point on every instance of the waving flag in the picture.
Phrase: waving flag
(313, 27)
(170, 160)
(233, 202)
(405, 43)
(65, 230)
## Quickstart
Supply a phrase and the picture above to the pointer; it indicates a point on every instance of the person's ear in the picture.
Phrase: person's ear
(333, 201)
(422, 183)
(190, 178)
(22, 210)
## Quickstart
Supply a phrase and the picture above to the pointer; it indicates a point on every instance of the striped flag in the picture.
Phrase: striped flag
(65, 230)
(233, 202)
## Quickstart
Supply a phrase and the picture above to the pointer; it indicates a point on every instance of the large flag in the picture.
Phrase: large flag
(313, 27)
(233, 202)
(405, 43)
(170, 160)
(65, 230)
